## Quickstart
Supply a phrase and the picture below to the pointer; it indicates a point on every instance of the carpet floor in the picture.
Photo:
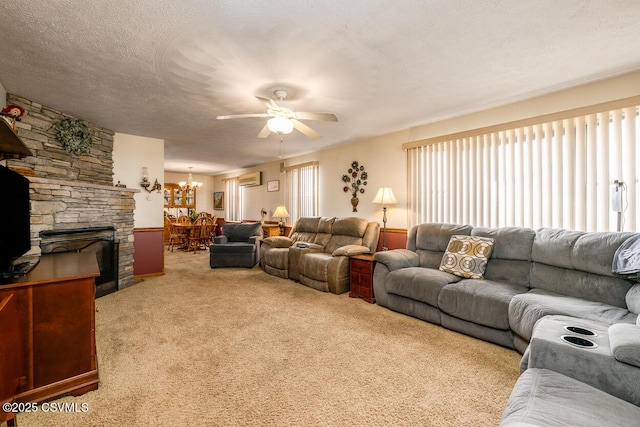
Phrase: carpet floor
(225, 347)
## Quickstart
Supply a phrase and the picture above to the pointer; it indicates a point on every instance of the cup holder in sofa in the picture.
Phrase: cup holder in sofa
(579, 342)
(580, 331)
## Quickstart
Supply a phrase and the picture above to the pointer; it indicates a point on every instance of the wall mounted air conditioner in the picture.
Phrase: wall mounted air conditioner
(250, 179)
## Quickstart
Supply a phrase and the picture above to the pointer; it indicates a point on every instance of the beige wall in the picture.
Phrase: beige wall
(385, 160)
(130, 154)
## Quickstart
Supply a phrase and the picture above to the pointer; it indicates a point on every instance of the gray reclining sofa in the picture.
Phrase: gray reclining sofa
(549, 294)
(530, 274)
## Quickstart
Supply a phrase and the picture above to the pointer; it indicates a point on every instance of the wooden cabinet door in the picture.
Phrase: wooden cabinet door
(63, 336)
(11, 356)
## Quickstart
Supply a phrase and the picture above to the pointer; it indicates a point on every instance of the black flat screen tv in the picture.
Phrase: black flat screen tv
(15, 229)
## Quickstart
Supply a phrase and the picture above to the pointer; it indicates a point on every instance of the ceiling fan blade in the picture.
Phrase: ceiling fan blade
(264, 132)
(304, 129)
(268, 102)
(242, 116)
(326, 117)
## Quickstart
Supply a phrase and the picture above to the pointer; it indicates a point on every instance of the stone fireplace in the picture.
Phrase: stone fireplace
(100, 241)
(73, 191)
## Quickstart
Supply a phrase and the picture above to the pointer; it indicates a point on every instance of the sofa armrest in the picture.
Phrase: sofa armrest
(397, 259)
(625, 343)
(349, 250)
(278, 241)
(633, 299)
(217, 240)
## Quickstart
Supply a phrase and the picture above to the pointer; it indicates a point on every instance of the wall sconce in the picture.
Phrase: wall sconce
(145, 183)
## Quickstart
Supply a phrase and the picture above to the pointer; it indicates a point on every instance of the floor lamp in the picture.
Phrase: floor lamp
(385, 197)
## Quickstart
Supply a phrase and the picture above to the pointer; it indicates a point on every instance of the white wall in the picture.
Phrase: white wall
(130, 154)
(386, 162)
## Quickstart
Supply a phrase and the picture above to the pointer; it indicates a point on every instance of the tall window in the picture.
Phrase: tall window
(233, 199)
(301, 190)
(559, 171)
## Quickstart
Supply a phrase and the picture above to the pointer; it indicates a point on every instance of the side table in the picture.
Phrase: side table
(361, 275)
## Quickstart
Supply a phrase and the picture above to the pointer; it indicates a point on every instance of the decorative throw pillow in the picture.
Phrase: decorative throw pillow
(466, 256)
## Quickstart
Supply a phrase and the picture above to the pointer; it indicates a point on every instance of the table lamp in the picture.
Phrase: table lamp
(385, 197)
(281, 212)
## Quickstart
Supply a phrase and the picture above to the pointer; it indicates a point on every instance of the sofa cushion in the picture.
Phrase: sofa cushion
(510, 260)
(526, 309)
(325, 225)
(430, 241)
(546, 398)
(350, 226)
(625, 343)
(578, 284)
(419, 283)
(578, 264)
(346, 231)
(305, 229)
(484, 302)
(277, 258)
(466, 256)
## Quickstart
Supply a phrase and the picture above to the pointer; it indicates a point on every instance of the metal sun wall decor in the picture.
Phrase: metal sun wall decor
(357, 177)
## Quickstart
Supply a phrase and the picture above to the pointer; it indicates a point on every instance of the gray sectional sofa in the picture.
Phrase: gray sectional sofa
(538, 287)
(529, 275)
(316, 251)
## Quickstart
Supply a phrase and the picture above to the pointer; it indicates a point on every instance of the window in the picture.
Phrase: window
(301, 190)
(232, 199)
(559, 171)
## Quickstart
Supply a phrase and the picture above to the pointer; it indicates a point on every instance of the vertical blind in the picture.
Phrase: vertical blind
(301, 190)
(558, 174)
(232, 203)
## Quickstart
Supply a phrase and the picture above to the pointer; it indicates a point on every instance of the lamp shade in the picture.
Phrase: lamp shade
(385, 197)
(280, 212)
(280, 125)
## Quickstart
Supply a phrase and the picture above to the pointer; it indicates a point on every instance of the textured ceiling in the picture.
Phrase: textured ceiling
(165, 68)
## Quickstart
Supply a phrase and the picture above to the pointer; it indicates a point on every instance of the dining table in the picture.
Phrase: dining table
(184, 230)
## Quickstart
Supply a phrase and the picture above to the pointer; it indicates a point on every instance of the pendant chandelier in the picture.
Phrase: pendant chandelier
(190, 184)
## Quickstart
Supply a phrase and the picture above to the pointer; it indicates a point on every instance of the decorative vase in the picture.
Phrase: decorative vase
(354, 203)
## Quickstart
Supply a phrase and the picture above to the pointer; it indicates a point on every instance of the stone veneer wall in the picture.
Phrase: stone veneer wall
(59, 205)
(69, 190)
(50, 160)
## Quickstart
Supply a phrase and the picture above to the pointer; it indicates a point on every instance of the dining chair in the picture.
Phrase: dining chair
(175, 238)
(200, 234)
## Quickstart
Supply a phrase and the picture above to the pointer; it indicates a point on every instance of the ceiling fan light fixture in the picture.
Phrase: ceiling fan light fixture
(280, 125)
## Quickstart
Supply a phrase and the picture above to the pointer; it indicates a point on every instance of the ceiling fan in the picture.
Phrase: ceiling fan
(283, 118)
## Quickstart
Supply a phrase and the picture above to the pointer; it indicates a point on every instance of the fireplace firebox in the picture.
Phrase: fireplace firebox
(100, 240)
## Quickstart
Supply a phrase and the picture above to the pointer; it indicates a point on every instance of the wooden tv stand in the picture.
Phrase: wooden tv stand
(56, 318)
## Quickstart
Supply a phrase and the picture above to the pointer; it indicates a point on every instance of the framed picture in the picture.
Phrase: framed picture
(218, 200)
(273, 185)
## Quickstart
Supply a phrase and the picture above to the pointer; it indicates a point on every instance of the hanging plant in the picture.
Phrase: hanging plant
(74, 135)
(357, 177)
